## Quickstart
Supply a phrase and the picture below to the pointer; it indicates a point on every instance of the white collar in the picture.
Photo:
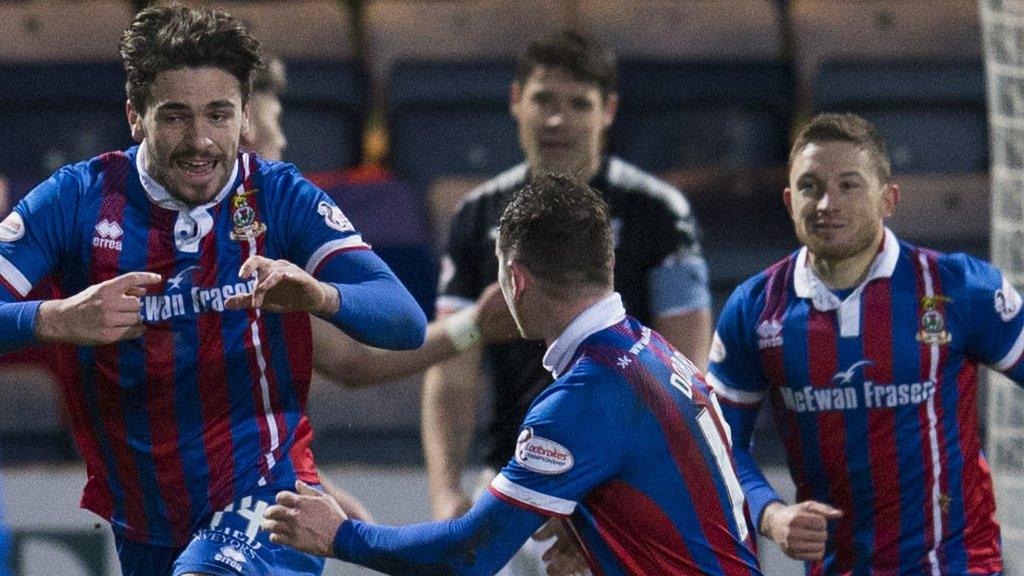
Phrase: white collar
(606, 312)
(807, 284)
(193, 222)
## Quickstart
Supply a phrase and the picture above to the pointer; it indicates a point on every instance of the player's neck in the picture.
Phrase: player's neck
(558, 315)
(844, 273)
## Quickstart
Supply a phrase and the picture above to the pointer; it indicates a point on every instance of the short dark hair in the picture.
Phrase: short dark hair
(165, 38)
(845, 128)
(270, 77)
(559, 229)
(580, 54)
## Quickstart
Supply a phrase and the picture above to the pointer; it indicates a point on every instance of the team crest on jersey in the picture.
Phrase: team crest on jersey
(933, 323)
(334, 217)
(542, 455)
(12, 228)
(243, 216)
(769, 334)
(1007, 301)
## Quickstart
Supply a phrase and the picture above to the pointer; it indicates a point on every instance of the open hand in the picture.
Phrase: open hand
(306, 519)
(284, 287)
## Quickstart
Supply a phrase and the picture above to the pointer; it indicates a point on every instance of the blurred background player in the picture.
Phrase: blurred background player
(189, 404)
(563, 100)
(867, 349)
(626, 447)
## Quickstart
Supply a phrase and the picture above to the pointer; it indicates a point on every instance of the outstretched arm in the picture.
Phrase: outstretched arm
(355, 365)
(355, 291)
(480, 542)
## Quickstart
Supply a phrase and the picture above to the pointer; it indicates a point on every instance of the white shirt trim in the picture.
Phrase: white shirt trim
(807, 285)
(14, 277)
(532, 498)
(193, 222)
(734, 395)
(606, 312)
(1013, 355)
(354, 241)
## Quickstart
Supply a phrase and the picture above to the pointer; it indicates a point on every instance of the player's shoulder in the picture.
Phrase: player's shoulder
(276, 177)
(626, 178)
(498, 188)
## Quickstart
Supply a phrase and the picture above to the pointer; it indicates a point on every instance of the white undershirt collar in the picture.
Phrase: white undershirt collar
(193, 222)
(606, 312)
(808, 285)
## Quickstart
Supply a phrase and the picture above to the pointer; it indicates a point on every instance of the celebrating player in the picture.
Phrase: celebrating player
(194, 269)
(563, 99)
(867, 349)
(626, 447)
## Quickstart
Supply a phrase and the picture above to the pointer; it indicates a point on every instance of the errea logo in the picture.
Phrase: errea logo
(108, 235)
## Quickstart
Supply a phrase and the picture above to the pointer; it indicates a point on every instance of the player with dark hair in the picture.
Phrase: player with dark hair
(194, 268)
(563, 100)
(867, 349)
(626, 447)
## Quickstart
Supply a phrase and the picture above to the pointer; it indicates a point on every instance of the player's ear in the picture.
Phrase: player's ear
(515, 96)
(521, 279)
(611, 106)
(787, 199)
(245, 118)
(135, 122)
(890, 198)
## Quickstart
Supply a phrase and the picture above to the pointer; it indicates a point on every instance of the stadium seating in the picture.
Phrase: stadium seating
(81, 31)
(57, 113)
(673, 30)
(455, 30)
(324, 109)
(676, 115)
(451, 118)
(936, 30)
(295, 29)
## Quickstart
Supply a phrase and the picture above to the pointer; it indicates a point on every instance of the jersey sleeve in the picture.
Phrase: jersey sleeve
(315, 229)
(679, 282)
(563, 451)
(734, 370)
(32, 241)
(995, 325)
(459, 283)
(734, 373)
(376, 308)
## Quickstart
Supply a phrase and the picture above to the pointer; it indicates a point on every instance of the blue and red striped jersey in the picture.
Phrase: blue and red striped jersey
(874, 395)
(629, 446)
(207, 403)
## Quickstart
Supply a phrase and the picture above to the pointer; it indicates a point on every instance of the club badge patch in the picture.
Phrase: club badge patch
(12, 228)
(542, 455)
(243, 216)
(933, 323)
(1007, 301)
(334, 217)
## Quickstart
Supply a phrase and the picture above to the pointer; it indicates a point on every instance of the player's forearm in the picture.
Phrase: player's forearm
(481, 542)
(758, 491)
(450, 392)
(689, 332)
(368, 366)
(375, 308)
(20, 326)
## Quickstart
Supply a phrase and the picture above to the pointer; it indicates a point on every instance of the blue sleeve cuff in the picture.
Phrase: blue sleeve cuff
(343, 540)
(18, 324)
(758, 499)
